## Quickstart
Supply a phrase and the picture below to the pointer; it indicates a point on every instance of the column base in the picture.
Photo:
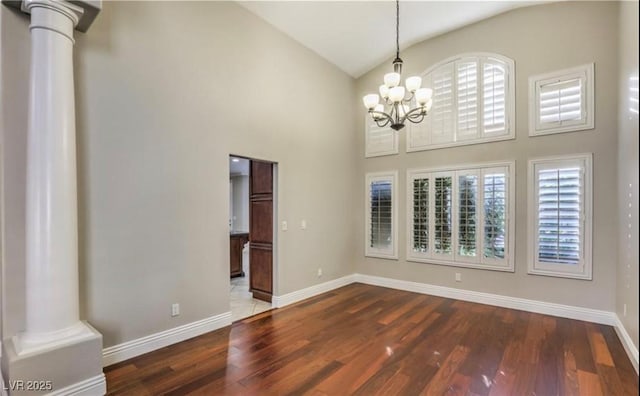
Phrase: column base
(26, 344)
(72, 367)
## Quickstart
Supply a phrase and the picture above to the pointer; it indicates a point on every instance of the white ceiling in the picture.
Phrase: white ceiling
(356, 36)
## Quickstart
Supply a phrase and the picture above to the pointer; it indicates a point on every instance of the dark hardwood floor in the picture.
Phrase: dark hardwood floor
(368, 340)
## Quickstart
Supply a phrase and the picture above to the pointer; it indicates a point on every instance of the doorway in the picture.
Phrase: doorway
(251, 235)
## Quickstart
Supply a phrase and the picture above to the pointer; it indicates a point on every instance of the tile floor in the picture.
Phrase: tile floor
(242, 303)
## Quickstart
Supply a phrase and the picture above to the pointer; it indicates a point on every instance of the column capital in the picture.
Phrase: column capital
(81, 12)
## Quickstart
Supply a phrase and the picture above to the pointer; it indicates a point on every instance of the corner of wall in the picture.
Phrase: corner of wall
(627, 134)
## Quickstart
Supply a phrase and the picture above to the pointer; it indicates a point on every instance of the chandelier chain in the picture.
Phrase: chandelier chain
(397, 29)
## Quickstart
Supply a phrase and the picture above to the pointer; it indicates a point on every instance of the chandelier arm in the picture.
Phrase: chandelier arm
(415, 116)
(386, 122)
(415, 119)
(386, 116)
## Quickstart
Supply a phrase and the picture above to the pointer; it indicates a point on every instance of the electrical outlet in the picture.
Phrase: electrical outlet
(319, 272)
(624, 309)
(175, 309)
(458, 277)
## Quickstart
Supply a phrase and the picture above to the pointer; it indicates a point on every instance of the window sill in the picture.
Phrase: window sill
(490, 267)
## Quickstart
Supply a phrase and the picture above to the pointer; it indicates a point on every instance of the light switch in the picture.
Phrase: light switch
(285, 226)
(303, 225)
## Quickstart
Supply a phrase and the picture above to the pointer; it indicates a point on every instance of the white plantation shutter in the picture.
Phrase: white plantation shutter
(442, 112)
(419, 135)
(560, 229)
(561, 101)
(467, 99)
(494, 113)
(420, 213)
(461, 216)
(494, 214)
(380, 215)
(473, 99)
(559, 215)
(468, 205)
(379, 141)
(443, 213)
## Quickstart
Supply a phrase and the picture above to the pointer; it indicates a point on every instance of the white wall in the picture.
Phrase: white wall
(165, 92)
(627, 286)
(540, 39)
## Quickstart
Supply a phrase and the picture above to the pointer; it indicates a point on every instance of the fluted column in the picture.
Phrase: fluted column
(52, 311)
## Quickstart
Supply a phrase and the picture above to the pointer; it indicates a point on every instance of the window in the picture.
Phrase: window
(462, 216)
(381, 227)
(561, 101)
(379, 141)
(473, 102)
(560, 216)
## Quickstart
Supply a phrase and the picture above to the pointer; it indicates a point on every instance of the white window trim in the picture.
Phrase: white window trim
(566, 74)
(510, 111)
(367, 135)
(585, 268)
(510, 222)
(391, 253)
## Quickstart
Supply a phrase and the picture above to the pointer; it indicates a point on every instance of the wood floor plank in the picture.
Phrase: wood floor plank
(589, 384)
(570, 386)
(441, 383)
(599, 348)
(369, 340)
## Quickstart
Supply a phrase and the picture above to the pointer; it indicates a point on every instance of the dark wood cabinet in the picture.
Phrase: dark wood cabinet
(261, 229)
(237, 242)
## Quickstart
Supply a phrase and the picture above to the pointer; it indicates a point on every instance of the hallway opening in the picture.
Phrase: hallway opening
(251, 220)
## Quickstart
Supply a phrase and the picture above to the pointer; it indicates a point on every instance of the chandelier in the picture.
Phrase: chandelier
(397, 106)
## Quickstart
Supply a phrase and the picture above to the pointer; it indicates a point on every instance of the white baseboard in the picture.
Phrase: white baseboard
(564, 311)
(299, 295)
(129, 349)
(90, 387)
(627, 343)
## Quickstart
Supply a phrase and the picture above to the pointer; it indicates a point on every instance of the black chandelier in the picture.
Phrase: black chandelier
(397, 107)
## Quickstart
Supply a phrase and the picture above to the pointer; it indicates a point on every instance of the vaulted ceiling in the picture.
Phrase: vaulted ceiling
(358, 35)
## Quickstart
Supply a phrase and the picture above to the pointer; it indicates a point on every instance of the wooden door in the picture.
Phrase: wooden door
(261, 230)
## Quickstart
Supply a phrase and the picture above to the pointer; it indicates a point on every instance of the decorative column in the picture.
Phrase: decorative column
(56, 347)
(52, 312)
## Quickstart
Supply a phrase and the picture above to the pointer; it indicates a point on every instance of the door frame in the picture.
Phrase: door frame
(275, 202)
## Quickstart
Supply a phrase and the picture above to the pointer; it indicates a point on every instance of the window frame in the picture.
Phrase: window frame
(584, 72)
(479, 262)
(510, 105)
(392, 252)
(535, 267)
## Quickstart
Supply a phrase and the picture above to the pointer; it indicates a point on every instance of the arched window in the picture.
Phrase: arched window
(473, 102)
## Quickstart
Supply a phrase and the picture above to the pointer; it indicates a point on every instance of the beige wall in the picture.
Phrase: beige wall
(628, 170)
(14, 60)
(540, 39)
(165, 92)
